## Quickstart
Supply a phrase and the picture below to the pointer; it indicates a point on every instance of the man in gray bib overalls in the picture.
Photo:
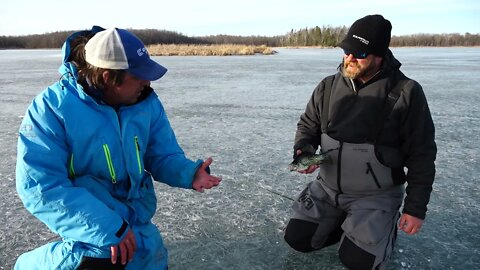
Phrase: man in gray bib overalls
(376, 126)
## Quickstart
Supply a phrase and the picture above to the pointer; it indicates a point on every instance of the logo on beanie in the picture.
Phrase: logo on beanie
(142, 51)
(364, 41)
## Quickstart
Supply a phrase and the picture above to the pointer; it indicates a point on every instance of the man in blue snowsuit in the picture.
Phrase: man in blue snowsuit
(88, 149)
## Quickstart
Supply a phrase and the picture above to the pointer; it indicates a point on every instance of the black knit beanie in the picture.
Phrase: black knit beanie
(370, 34)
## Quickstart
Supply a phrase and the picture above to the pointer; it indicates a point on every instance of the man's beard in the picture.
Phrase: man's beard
(358, 71)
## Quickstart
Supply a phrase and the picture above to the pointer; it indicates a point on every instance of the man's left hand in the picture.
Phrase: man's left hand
(410, 224)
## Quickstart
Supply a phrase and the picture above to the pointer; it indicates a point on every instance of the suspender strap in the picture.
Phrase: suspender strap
(390, 101)
(326, 103)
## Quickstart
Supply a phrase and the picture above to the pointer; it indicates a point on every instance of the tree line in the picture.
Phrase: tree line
(56, 39)
(325, 36)
(331, 36)
(436, 40)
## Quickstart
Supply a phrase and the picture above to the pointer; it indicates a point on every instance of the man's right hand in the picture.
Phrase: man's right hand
(127, 247)
(310, 168)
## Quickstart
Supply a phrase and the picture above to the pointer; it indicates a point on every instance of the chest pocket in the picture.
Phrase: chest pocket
(355, 168)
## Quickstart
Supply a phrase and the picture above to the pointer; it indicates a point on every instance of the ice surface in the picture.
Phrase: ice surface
(242, 111)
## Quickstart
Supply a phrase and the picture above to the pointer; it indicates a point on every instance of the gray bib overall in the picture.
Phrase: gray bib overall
(354, 169)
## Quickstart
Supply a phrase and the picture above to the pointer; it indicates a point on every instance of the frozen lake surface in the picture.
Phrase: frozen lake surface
(243, 111)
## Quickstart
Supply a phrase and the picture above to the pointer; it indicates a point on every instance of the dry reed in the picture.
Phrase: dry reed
(208, 50)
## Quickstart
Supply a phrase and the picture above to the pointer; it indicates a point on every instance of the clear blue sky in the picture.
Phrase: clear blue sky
(240, 17)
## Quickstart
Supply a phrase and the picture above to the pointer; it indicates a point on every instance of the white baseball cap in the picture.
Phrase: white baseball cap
(119, 49)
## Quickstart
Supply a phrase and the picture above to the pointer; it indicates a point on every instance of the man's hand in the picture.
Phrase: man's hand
(127, 248)
(410, 224)
(310, 168)
(203, 180)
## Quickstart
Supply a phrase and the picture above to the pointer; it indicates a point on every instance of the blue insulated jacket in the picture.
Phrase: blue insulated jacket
(85, 169)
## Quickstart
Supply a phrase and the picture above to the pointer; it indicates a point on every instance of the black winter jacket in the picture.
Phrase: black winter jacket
(406, 138)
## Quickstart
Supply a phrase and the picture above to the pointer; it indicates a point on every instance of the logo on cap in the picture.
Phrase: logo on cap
(364, 41)
(141, 51)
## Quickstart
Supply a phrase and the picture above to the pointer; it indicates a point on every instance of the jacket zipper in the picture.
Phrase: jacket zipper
(353, 86)
(111, 169)
(339, 173)
(370, 169)
(139, 160)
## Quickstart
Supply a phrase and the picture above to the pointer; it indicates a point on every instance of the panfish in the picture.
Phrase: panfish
(303, 161)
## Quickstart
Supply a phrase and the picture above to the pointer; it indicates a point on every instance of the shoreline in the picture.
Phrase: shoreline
(194, 50)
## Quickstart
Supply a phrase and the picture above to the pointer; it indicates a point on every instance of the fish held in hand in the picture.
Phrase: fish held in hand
(303, 161)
